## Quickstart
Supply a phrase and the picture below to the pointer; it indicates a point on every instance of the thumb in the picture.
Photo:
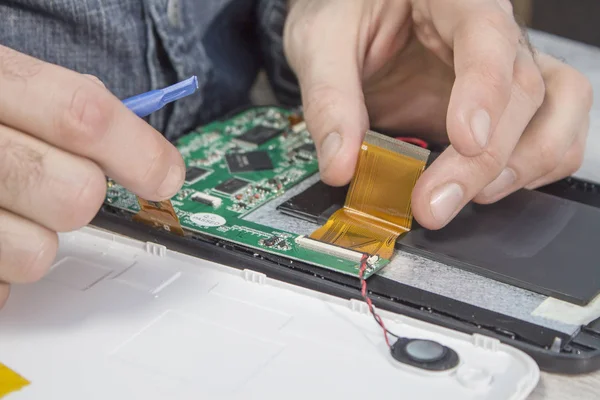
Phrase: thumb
(326, 64)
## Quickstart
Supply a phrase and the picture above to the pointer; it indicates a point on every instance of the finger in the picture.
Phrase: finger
(95, 79)
(4, 292)
(27, 250)
(70, 111)
(485, 41)
(328, 73)
(570, 163)
(47, 185)
(552, 132)
(453, 179)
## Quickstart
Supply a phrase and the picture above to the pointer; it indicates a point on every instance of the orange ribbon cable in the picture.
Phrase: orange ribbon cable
(159, 215)
(377, 209)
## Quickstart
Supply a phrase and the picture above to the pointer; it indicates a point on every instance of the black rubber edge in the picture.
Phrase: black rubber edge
(579, 354)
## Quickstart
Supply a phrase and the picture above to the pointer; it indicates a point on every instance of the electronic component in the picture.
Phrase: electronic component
(207, 199)
(232, 197)
(299, 127)
(276, 241)
(270, 242)
(303, 153)
(249, 162)
(232, 185)
(424, 354)
(326, 248)
(308, 148)
(276, 183)
(303, 158)
(183, 194)
(259, 135)
(159, 215)
(374, 216)
(193, 174)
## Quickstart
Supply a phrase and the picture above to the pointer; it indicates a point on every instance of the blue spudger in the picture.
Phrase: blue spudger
(146, 103)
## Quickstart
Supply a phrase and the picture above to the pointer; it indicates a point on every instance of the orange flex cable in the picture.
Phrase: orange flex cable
(377, 209)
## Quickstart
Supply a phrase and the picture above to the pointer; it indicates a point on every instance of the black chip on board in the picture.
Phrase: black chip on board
(192, 174)
(259, 135)
(231, 186)
(248, 162)
(307, 148)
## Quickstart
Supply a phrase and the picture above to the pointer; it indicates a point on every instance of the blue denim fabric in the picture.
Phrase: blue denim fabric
(138, 45)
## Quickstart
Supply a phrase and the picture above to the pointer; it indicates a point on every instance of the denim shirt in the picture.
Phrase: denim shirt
(138, 45)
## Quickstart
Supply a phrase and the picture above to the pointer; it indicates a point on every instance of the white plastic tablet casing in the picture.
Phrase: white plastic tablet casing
(120, 319)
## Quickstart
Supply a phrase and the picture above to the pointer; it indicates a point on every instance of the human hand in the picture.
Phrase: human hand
(450, 70)
(60, 134)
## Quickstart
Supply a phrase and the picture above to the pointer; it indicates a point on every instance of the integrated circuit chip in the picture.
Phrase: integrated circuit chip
(192, 174)
(304, 153)
(248, 162)
(231, 186)
(259, 135)
(307, 148)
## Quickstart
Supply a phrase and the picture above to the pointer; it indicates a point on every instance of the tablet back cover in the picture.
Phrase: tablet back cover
(121, 319)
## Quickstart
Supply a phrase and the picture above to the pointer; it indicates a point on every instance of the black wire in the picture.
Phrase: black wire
(386, 329)
(371, 309)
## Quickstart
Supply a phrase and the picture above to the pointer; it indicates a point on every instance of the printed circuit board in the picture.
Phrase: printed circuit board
(235, 166)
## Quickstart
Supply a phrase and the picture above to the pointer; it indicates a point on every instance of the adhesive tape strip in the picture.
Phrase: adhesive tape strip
(567, 313)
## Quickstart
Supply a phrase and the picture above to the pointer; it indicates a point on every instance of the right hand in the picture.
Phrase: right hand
(452, 71)
(61, 133)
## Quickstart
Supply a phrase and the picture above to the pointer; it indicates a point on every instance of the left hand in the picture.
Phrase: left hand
(458, 71)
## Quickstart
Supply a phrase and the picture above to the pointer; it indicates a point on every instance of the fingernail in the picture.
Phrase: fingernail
(445, 200)
(480, 127)
(329, 149)
(172, 182)
(95, 79)
(506, 179)
(506, 6)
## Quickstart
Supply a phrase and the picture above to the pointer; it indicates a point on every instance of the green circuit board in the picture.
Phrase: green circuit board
(235, 166)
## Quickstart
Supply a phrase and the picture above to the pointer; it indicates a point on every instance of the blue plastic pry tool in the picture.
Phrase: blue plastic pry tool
(146, 103)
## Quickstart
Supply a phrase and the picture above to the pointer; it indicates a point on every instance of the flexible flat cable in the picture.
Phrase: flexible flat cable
(377, 209)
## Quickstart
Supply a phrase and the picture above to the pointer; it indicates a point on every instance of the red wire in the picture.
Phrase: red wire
(415, 141)
(363, 292)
